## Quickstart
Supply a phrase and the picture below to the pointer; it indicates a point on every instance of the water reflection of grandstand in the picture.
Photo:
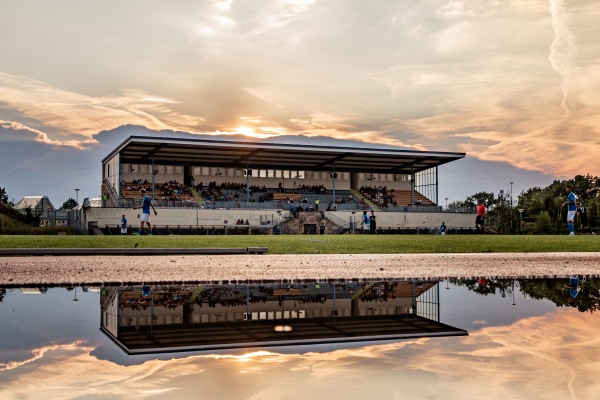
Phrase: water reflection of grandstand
(183, 318)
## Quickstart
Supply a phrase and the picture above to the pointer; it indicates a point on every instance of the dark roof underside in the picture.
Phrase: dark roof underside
(261, 333)
(230, 154)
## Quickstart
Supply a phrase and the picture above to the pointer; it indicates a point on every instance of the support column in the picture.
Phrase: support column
(412, 186)
(333, 176)
(153, 177)
(248, 172)
(436, 187)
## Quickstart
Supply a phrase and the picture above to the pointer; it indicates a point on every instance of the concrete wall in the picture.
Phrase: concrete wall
(203, 217)
(178, 216)
(414, 219)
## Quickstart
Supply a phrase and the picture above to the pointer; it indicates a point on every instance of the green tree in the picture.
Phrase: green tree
(31, 218)
(3, 195)
(550, 199)
(69, 204)
(544, 223)
(488, 199)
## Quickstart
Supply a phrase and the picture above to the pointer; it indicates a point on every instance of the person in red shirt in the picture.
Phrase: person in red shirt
(480, 217)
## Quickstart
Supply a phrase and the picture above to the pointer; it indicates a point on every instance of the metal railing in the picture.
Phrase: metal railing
(342, 223)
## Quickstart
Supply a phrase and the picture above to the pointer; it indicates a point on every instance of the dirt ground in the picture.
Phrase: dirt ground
(65, 270)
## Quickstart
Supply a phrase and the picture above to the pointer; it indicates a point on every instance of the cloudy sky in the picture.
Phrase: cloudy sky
(539, 351)
(512, 82)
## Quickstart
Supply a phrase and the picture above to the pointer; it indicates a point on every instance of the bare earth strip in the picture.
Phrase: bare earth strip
(58, 270)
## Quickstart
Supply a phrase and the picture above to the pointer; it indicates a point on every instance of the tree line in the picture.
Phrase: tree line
(540, 207)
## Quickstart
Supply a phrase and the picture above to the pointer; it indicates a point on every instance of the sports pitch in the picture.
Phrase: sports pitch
(325, 244)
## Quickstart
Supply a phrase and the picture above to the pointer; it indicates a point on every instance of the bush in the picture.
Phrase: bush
(544, 223)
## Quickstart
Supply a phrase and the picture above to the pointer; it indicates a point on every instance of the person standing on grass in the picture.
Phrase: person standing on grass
(365, 222)
(373, 223)
(571, 209)
(583, 217)
(146, 204)
(443, 228)
(123, 225)
(479, 221)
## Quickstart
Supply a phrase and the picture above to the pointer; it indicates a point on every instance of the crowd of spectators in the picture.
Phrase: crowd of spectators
(381, 196)
(169, 298)
(230, 191)
(317, 189)
(135, 185)
(174, 191)
(382, 291)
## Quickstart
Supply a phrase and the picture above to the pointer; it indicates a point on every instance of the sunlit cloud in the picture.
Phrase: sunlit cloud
(43, 137)
(71, 112)
(158, 100)
(509, 81)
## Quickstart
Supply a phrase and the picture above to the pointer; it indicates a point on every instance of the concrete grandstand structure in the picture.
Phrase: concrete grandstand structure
(201, 183)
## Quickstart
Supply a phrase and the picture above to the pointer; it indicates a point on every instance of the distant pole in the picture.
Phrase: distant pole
(77, 195)
(511, 207)
(521, 219)
(446, 203)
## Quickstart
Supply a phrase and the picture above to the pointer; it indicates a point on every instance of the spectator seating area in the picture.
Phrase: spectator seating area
(233, 195)
(394, 199)
(165, 193)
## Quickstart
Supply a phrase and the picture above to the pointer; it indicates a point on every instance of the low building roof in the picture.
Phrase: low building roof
(33, 202)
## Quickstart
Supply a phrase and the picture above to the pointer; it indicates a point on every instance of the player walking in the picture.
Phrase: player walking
(571, 209)
(146, 204)
(480, 220)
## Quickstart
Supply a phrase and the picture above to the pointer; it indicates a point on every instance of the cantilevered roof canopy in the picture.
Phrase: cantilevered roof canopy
(263, 333)
(255, 155)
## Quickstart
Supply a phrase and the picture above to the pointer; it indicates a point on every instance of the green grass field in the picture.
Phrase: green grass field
(326, 244)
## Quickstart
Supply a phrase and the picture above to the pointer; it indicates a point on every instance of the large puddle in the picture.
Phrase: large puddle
(396, 339)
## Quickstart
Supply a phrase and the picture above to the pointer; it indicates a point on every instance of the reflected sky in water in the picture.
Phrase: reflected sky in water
(53, 345)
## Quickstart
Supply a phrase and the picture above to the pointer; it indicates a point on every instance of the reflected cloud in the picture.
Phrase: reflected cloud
(559, 348)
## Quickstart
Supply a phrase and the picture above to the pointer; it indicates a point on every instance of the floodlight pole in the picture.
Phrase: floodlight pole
(511, 208)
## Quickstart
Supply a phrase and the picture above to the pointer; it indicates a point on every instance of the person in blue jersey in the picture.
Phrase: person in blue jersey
(146, 204)
(571, 204)
(123, 225)
(366, 222)
(443, 228)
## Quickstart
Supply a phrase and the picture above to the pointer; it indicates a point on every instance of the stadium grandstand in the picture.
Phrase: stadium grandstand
(252, 179)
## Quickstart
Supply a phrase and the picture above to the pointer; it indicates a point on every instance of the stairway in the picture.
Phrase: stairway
(308, 222)
(358, 195)
(197, 196)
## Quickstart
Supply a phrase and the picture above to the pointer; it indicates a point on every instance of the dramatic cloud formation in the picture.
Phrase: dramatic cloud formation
(509, 81)
(559, 348)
